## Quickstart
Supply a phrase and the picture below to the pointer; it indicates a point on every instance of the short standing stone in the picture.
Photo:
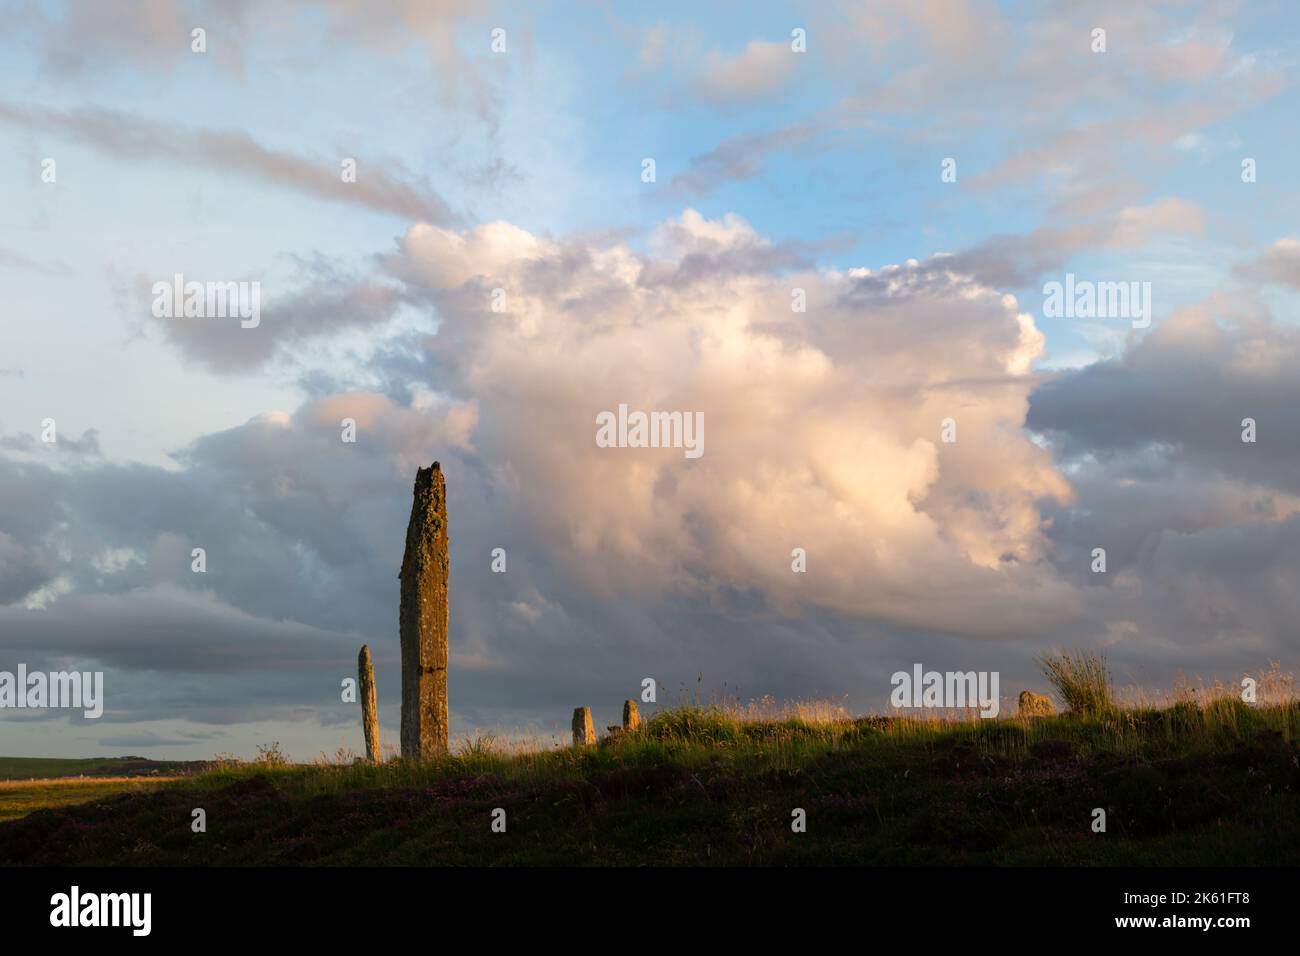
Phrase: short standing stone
(584, 731)
(631, 716)
(1035, 705)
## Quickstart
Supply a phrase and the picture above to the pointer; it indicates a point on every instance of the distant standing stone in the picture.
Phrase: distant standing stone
(369, 712)
(584, 731)
(631, 716)
(1035, 705)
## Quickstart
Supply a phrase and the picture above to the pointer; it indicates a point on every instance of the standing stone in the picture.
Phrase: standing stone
(584, 731)
(631, 716)
(423, 619)
(1035, 705)
(369, 714)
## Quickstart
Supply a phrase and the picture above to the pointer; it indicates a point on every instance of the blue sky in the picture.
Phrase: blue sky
(774, 169)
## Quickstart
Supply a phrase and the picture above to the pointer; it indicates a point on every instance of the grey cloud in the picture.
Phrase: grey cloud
(154, 740)
(87, 444)
(30, 508)
(1016, 261)
(169, 629)
(1201, 531)
(736, 160)
(322, 307)
(21, 571)
(1186, 388)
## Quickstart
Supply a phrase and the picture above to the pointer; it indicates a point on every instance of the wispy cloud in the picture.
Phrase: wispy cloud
(737, 159)
(757, 71)
(235, 152)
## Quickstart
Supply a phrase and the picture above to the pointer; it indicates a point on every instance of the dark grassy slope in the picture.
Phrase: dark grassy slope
(1219, 785)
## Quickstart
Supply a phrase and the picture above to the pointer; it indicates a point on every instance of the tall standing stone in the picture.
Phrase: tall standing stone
(369, 713)
(423, 619)
(631, 716)
(584, 731)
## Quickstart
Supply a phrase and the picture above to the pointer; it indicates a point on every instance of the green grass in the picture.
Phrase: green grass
(18, 799)
(1217, 783)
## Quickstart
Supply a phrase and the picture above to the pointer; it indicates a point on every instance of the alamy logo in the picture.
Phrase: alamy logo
(1083, 299)
(208, 300)
(953, 689)
(651, 430)
(39, 689)
(103, 909)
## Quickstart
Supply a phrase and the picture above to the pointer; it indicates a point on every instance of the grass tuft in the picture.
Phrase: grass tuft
(1082, 681)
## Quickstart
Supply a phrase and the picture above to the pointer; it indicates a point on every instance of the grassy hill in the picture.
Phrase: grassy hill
(1214, 783)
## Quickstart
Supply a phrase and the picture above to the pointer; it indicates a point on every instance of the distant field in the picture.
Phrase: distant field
(39, 783)
(19, 798)
(50, 768)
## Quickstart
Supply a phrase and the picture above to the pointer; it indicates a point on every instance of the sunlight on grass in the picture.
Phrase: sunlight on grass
(21, 797)
(785, 735)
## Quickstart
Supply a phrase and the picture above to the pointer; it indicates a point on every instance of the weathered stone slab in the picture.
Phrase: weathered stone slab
(631, 716)
(424, 619)
(1035, 705)
(369, 710)
(584, 731)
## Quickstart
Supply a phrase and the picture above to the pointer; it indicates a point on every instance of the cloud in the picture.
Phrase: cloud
(1017, 261)
(1185, 388)
(1279, 264)
(16, 260)
(155, 35)
(758, 70)
(327, 304)
(736, 159)
(302, 537)
(21, 572)
(653, 42)
(87, 444)
(165, 628)
(963, 72)
(235, 152)
(857, 410)
(1201, 529)
(152, 32)
(155, 740)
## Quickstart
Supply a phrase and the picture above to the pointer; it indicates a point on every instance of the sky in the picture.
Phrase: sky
(829, 228)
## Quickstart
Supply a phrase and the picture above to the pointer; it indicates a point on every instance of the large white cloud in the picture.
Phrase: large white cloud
(823, 428)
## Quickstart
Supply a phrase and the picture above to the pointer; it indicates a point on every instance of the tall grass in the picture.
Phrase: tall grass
(1082, 681)
(694, 738)
(777, 736)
